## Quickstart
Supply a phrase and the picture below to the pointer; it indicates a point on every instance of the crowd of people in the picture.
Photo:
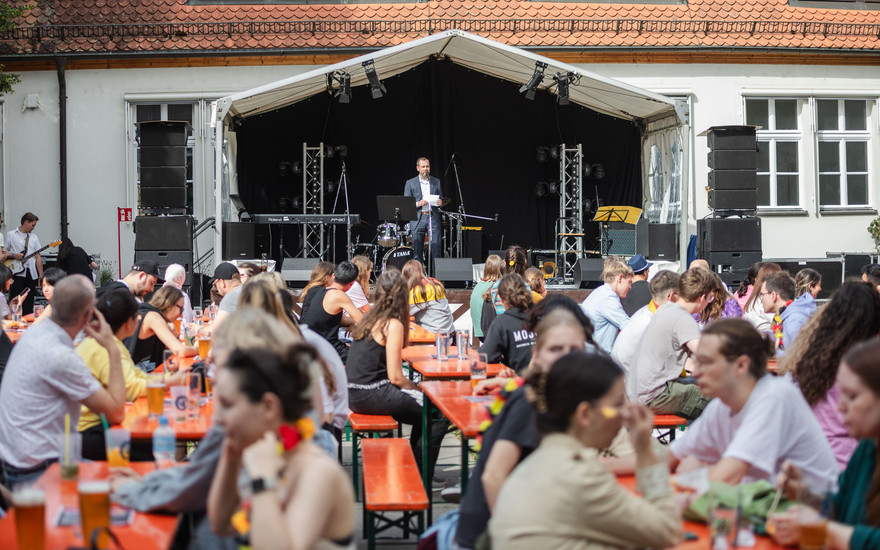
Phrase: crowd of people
(773, 387)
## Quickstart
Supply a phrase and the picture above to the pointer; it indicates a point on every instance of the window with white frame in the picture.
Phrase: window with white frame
(843, 138)
(780, 141)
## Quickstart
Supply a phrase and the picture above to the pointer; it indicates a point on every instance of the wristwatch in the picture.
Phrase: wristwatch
(261, 484)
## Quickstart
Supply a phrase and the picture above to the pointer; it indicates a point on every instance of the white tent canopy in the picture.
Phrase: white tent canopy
(598, 93)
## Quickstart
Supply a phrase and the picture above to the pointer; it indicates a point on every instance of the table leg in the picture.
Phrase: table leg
(426, 443)
(464, 464)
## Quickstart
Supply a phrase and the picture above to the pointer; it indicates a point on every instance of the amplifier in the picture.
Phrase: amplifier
(454, 271)
(733, 160)
(733, 179)
(298, 270)
(734, 199)
(728, 235)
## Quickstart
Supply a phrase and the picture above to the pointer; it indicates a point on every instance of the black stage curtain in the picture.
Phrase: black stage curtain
(433, 110)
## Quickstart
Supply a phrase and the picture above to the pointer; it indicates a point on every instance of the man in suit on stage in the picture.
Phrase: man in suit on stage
(418, 187)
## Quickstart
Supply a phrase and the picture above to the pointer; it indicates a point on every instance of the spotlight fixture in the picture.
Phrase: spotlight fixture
(541, 189)
(376, 86)
(542, 153)
(597, 171)
(344, 80)
(553, 188)
(531, 86)
(287, 168)
(562, 83)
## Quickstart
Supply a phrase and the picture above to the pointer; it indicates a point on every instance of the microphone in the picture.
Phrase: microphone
(448, 166)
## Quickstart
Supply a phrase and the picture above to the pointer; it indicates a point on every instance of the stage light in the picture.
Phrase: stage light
(553, 188)
(562, 81)
(531, 86)
(542, 153)
(554, 152)
(331, 187)
(287, 168)
(344, 93)
(540, 189)
(598, 171)
(376, 86)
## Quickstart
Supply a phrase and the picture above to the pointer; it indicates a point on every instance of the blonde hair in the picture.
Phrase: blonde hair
(365, 266)
(535, 278)
(320, 277)
(494, 267)
(263, 294)
(615, 266)
(272, 277)
(252, 328)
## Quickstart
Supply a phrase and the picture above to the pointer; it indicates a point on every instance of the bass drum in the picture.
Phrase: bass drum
(397, 257)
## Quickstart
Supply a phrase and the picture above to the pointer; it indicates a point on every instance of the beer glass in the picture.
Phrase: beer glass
(30, 517)
(478, 362)
(94, 509)
(118, 447)
(204, 346)
(155, 394)
(177, 323)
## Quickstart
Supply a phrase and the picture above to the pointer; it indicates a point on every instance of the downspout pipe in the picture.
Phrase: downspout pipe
(61, 63)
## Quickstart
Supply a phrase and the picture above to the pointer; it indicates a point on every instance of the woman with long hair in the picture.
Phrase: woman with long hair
(722, 306)
(515, 261)
(47, 287)
(508, 341)
(855, 523)
(807, 281)
(320, 277)
(154, 333)
(753, 311)
(491, 273)
(562, 495)
(376, 383)
(175, 275)
(427, 299)
(360, 290)
(73, 259)
(298, 497)
(851, 316)
(535, 279)
(747, 286)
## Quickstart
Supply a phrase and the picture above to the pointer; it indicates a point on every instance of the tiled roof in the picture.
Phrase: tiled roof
(94, 26)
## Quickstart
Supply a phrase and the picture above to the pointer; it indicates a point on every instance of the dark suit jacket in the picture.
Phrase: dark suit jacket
(414, 189)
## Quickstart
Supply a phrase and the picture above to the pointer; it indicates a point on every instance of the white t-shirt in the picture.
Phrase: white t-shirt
(659, 358)
(356, 293)
(760, 320)
(44, 379)
(624, 350)
(775, 424)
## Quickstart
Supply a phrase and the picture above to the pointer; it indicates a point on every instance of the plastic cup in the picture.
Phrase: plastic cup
(156, 394)
(38, 310)
(197, 315)
(478, 362)
(171, 360)
(442, 347)
(463, 342)
(177, 323)
(94, 509)
(30, 517)
(70, 455)
(195, 392)
(118, 442)
(179, 399)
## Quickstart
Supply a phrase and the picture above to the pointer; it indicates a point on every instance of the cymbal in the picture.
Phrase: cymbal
(446, 200)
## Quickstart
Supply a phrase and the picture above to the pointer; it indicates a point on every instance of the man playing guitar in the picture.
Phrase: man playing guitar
(22, 242)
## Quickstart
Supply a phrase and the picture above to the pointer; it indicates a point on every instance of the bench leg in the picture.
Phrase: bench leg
(368, 529)
(464, 464)
(355, 474)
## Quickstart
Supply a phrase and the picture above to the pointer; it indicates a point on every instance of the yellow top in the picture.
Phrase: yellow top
(98, 360)
(431, 293)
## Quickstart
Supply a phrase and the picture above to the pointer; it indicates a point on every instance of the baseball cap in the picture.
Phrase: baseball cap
(225, 271)
(149, 267)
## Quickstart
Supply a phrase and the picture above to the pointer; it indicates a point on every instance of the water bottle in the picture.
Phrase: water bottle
(164, 444)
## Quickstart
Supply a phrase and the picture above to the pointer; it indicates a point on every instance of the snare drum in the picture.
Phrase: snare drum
(397, 257)
(389, 235)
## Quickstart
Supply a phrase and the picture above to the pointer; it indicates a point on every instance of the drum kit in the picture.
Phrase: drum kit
(392, 247)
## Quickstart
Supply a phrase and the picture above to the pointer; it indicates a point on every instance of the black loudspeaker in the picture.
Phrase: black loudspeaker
(733, 267)
(298, 270)
(728, 234)
(624, 239)
(733, 179)
(454, 271)
(163, 176)
(163, 233)
(163, 132)
(733, 160)
(238, 240)
(473, 241)
(588, 272)
(728, 138)
(165, 258)
(663, 241)
(163, 197)
(163, 156)
(734, 199)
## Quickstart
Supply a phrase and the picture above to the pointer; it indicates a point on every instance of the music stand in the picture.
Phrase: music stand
(396, 208)
(623, 214)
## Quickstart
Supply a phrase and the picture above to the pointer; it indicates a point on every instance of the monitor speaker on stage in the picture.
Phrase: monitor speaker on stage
(588, 272)
(238, 240)
(297, 271)
(164, 258)
(663, 242)
(454, 271)
(163, 233)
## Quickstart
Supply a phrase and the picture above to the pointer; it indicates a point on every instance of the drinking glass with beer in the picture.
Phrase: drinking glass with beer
(94, 509)
(155, 394)
(30, 516)
(478, 362)
(204, 346)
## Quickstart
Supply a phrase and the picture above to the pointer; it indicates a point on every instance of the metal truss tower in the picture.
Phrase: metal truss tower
(313, 237)
(570, 225)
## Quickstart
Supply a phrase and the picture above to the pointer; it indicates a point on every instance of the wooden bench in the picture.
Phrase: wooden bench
(671, 421)
(366, 425)
(392, 483)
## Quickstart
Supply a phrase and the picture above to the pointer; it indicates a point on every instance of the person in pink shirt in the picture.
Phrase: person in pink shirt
(851, 316)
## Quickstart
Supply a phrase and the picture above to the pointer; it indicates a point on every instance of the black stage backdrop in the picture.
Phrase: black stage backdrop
(433, 110)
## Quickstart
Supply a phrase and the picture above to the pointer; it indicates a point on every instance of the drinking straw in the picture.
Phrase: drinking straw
(67, 438)
(107, 433)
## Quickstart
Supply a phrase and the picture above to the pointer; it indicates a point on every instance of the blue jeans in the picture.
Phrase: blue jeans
(24, 476)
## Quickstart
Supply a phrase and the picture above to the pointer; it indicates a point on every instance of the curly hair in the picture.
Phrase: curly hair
(716, 307)
(513, 290)
(851, 316)
(391, 301)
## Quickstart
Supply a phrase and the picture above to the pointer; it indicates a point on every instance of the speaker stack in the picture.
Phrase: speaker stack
(730, 239)
(166, 240)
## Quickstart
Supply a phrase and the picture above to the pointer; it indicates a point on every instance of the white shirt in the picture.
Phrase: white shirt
(426, 190)
(15, 240)
(356, 293)
(624, 350)
(44, 379)
(775, 424)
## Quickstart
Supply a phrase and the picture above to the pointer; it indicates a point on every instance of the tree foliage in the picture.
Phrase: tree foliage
(7, 14)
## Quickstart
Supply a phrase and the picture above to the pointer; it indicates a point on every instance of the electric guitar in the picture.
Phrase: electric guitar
(17, 266)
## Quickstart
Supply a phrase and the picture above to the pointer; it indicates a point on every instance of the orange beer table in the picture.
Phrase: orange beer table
(451, 399)
(419, 336)
(137, 421)
(147, 531)
(432, 369)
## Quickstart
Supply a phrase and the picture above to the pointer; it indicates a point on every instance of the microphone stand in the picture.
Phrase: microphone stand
(343, 183)
(457, 252)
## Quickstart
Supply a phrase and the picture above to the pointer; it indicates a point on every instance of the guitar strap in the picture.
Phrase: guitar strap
(27, 239)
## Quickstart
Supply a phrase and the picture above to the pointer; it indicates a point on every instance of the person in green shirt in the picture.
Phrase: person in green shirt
(855, 524)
